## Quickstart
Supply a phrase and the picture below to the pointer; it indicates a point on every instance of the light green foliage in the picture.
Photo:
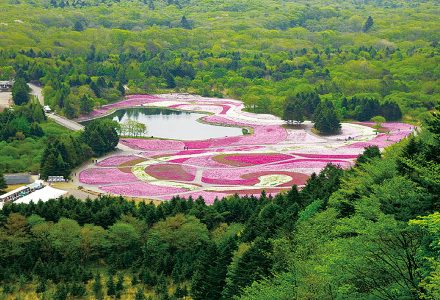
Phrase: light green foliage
(182, 231)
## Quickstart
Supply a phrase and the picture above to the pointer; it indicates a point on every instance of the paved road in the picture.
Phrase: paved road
(37, 92)
(72, 125)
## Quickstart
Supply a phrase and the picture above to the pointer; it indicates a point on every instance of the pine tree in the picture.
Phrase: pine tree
(368, 24)
(184, 23)
(206, 281)
(110, 287)
(3, 184)
(121, 88)
(97, 287)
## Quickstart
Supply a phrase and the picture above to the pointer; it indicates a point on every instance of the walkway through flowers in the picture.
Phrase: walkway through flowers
(273, 158)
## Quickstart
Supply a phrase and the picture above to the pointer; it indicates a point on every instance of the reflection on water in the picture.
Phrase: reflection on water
(172, 124)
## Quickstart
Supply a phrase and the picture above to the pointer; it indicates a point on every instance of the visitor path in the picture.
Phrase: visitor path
(273, 158)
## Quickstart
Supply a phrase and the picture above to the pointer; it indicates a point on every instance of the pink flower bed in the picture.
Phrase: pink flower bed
(105, 176)
(141, 189)
(237, 176)
(115, 161)
(198, 144)
(126, 103)
(392, 126)
(152, 144)
(382, 140)
(239, 149)
(206, 162)
(326, 156)
(257, 159)
(171, 172)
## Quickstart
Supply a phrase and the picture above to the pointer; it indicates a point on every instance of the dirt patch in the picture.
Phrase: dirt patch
(5, 100)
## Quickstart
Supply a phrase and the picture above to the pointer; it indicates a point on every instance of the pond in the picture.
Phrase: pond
(173, 124)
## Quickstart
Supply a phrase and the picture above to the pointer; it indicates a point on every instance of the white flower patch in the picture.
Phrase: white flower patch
(173, 184)
(229, 188)
(163, 103)
(139, 170)
(252, 119)
(273, 180)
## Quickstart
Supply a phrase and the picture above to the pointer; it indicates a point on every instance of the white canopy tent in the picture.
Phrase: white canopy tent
(44, 195)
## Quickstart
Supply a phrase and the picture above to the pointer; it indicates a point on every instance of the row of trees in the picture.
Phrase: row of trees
(132, 128)
(322, 113)
(64, 153)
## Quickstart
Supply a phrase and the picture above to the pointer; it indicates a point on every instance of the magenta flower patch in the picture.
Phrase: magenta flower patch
(141, 189)
(105, 176)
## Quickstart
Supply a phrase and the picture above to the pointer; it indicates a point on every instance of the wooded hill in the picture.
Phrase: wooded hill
(259, 51)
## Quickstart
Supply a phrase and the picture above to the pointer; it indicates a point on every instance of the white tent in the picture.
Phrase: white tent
(44, 195)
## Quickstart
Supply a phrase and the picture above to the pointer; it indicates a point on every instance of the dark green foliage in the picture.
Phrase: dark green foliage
(368, 24)
(3, 184)
(111, 291)
(101, 135)
(363, 109)
(140, 295)
(20, 91)
(369, 153)
(86, 105)
(325, 118)
(97, 287)
(184, 23)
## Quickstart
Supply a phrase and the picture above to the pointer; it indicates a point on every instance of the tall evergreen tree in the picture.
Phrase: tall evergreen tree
(20, 91)
(3, 184)
(326, 119)
(368, 24)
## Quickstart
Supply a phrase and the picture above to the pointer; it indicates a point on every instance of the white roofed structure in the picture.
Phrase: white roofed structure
(44, 195)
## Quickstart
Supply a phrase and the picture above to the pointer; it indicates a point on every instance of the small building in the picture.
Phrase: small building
(18, 178)
(6, 85)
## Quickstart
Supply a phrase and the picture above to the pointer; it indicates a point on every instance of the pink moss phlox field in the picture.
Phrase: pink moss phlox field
(191, 152)
(229, 160)
(297, 178)
(152, 144)
(205, 162)
(126, 103)
(236, 176)
(105, 176)
(171, 172)
(141, 189)
(257, 159)
(115, 161)
(238, 149)
(392, 126)
(312, 163)
(381, 141)
(198, 144)
(326, 156)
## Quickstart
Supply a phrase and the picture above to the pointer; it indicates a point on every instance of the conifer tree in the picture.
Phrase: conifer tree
(368, 24)
(3, 184)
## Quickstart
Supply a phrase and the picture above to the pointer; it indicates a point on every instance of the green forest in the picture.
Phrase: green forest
(369, 232)
(259, 51)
